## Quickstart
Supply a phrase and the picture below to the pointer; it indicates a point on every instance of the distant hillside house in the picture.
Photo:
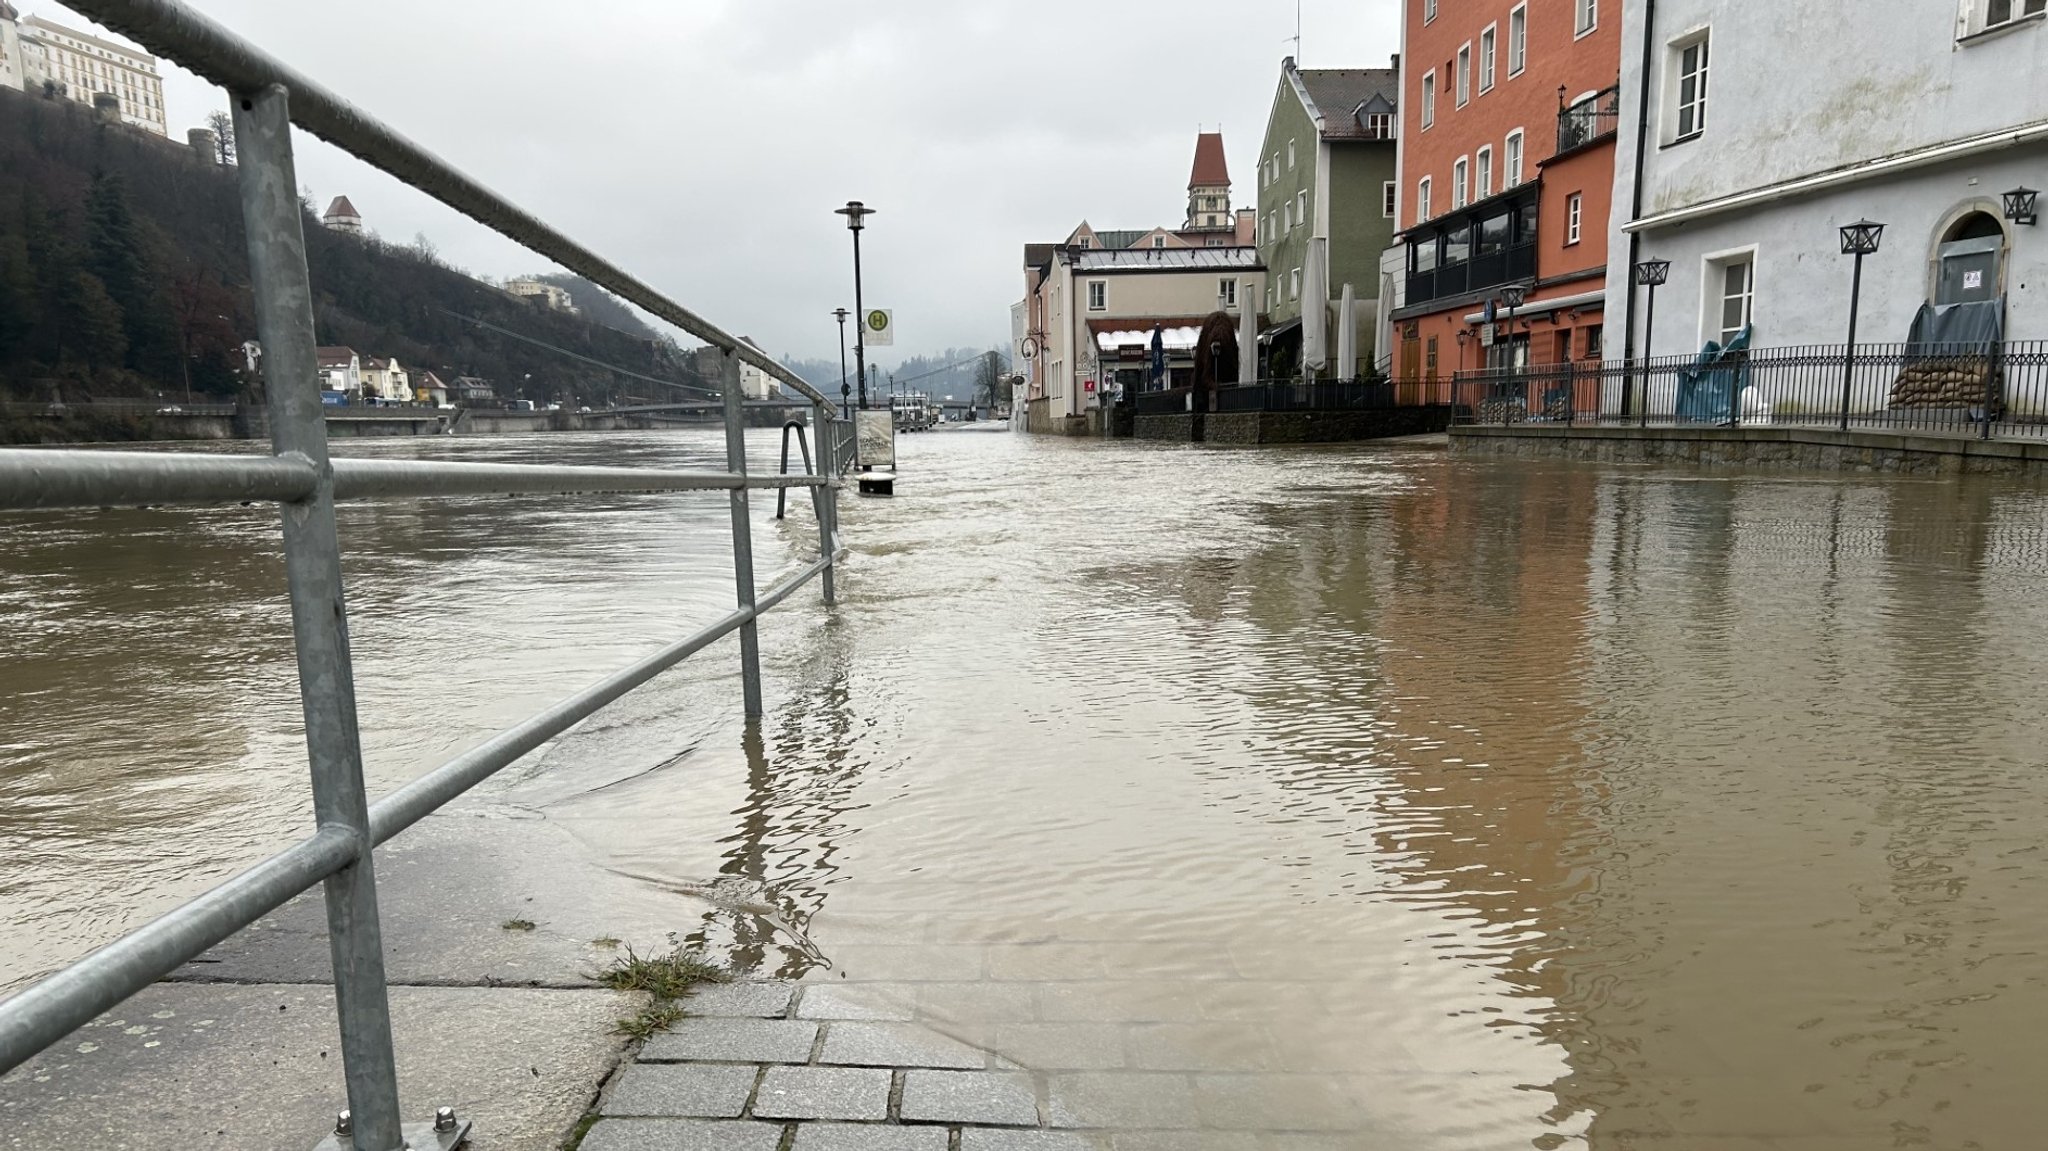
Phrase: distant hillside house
(471, 390)
(386, 380)
(342, 217)
(549, 294)
(754, 383)
(341, 370)
(83, 67)
(427, 388)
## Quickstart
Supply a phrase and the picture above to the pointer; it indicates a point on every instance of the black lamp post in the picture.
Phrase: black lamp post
(1650, 274)
(1513, 296)
(856, 214)
(1859, 239)
(2019, 205)
(845, 389)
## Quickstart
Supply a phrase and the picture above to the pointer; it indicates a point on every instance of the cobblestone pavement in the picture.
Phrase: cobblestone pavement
(864, 1067)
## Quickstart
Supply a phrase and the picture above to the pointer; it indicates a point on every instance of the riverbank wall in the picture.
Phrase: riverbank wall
(1761, 446)
(1255, 428)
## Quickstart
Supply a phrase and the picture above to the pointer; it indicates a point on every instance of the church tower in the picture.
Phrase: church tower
(1209, 186)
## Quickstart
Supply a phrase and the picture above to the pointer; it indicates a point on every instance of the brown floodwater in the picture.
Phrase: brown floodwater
(1412, 801)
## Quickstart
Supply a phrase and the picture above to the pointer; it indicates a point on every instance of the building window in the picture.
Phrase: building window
(1290, 155)
(1428, 10)
(1461, 182)
(1574, 210)
(1429, 358)
(1098, 296)
(1691, 66)
(1287, 217)
(1997, 12)
(1301, 207)
(1733, 282)
(1484, 175)
(1294, 284)
(1589, 16)
(1593, 333)
(1159, 241)
(1226, 293)
(1464, 74)
(1511, 172)
(1429, 98)
(1380, 125)
(1422, 211)
(1390, 196)
(1486, 53)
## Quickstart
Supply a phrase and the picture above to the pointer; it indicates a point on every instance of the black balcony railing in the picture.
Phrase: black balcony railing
(1480, 272)
(1588, 120)
(1974, 389)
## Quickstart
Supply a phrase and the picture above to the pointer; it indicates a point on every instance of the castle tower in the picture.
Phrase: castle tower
(343, 217)
(1209, 186)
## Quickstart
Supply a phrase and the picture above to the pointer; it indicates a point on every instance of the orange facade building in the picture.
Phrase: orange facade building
(1509, 112)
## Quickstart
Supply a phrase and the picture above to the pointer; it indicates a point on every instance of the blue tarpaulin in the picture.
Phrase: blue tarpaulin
(1709, 390)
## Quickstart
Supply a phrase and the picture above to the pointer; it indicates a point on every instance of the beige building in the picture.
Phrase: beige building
(83, 65)
(545, 293)
(385, 379)
(1088, 308)
(12, 66)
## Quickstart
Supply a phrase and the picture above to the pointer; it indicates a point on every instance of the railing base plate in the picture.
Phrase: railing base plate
(418, 1137)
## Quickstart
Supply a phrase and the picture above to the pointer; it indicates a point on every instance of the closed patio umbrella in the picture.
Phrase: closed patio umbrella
(1315, 306)
(1247, 341)
(1347, 336)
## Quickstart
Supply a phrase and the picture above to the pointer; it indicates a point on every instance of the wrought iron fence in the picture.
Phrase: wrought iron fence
(1165, 402)
(1306, 396)
(1964, 389)
(1586, 121)
(268, 99)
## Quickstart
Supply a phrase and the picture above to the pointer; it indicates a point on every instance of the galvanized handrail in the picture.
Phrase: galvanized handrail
(300, 476)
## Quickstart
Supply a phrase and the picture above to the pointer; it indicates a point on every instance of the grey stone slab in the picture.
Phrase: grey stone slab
(1123, 1100)
(1200, 1047)
(1012, 1139)
(233, 1066)
(681, 1135)
(1043, 962)
(996, 1098)
(1063, 1046)
(682, 1090)
(734, 1041)
(823, 1093)
(1120, 1001)
(869, 1137)
(871, 1001)
(1277, 1103)
(978, 1002)
(1183, 1141)
(898, 1045)
(756, 1000)
(909, 963)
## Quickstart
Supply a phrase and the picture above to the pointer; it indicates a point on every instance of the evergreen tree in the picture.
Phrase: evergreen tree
(95, 323)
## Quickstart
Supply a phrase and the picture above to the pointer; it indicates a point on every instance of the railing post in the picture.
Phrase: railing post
(742, 526)
(274, 220)
(826, 498)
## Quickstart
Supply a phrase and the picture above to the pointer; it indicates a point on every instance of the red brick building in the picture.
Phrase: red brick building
(1509, 112)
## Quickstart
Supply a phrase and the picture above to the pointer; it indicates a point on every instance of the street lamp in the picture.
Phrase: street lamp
(1650, 274)
(1859, 239)
(856, 213)
(1514, 295)
(2019, 205)
(845, 389)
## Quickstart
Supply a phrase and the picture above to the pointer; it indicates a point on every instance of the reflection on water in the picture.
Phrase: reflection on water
(1459, 804)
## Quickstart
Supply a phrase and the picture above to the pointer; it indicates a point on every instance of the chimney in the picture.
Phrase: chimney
(1397, 61)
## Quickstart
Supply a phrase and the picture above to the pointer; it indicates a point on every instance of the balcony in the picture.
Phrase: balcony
(1475, 248)
(1587, 122)
(1474, 275)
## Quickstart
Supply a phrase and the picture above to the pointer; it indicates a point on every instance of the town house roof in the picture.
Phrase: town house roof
(1338, 96)
(336, 357)
(1165, 259)
(341, 207)
(1210, 167)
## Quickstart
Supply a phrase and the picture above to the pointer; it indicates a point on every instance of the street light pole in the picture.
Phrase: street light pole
(856, 213)
(1859, 239)
(1651, 274)
(844, 387)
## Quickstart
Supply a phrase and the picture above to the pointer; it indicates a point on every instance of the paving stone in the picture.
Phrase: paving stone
(1062, 1046)
(1200, 1047)
(757, 1000)
(921, 963)
(1120, 1001)
(681, 1135)
(734, 1041)
(705, 1091)
(868, 1137)
(969, 1097)
(1040, 962)
(871, 1001)
(1183, 1141)
(823, 1093)
(1123, 1100)
(898, 1045)
(979, 1002)
(1011, 1139)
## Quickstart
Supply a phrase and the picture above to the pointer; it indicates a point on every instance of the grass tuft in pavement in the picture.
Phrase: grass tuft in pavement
(666, 978)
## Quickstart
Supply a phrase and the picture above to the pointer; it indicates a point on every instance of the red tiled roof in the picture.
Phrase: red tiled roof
(341, 207)
(1209, 165)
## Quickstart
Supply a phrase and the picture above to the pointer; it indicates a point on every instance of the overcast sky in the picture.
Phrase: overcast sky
(703, 144)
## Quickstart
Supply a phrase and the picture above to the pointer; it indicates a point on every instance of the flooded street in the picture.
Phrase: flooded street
(1356, 797)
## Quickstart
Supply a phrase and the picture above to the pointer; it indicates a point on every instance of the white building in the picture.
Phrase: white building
(342, 217)
(1917, 114)
(341, 371)
(387, 380)
(549, 294)
(85, 65)
(1085, 303)
(12, 66)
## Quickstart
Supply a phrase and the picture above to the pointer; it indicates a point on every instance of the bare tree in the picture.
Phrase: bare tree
(223, 126)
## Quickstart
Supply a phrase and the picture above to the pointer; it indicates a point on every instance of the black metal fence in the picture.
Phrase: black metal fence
(1963, 389)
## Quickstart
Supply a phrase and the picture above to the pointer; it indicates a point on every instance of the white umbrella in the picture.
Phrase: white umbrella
(1247, 339)
(1315, 305)
(1347, 336)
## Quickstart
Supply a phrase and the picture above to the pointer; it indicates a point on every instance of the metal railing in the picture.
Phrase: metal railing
(1306, 396)
(1588, 120)
(267, 99)
(1979, 389)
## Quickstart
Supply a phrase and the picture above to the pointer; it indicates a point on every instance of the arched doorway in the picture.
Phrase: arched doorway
(1969, 262)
